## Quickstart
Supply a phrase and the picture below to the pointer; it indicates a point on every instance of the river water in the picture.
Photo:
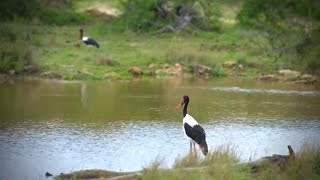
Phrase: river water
(61, 126)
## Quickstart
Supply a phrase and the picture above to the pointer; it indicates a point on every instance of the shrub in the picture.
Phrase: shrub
(15, 54)
(18, 8)
(145, 15)
(258, 12)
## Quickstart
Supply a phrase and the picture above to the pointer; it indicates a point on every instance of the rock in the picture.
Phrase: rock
(179, 68)
(31, 69)
(12, 72)
(289, 73)
(2, 78)
(110, 75)
(308, 78)
(152, 69)
(269, 77)
(202, 71)
(135, 71)
(152, 66)
(51, 75)
(229, 64)
(166, 66)
(83, 74)
(166, 69)
(109, 62)
(240, 67)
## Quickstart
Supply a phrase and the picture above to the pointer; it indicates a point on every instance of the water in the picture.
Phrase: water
(59, 126)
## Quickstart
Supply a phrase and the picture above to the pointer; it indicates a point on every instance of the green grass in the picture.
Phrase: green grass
(53, 47)
(58, 52)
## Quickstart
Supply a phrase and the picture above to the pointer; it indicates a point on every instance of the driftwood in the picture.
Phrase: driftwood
(277, 160)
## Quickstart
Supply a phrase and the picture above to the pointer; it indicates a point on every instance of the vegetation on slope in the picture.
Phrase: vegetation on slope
(261, 36)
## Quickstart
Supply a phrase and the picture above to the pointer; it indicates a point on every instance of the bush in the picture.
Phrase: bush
(256, 12)
(18, 8)
(15, 54)
(145, 15)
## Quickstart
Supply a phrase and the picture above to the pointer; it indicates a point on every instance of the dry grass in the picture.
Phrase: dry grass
(222, 164)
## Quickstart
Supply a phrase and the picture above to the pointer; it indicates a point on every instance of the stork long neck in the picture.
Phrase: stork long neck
(184, 112)
(81, 34)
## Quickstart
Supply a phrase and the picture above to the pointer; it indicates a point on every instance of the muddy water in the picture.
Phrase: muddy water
(59, 126)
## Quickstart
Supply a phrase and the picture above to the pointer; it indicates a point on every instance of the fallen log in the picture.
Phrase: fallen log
(276, 159)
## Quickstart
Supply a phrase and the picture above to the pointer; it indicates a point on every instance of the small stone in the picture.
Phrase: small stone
(110, 75)
(202, 71)
(135, 71)
(166, 66)
(289, 73)
(229, 64)
(51, 75)
(2, 78)
(269, 77)
(240, 66)
(12, 72)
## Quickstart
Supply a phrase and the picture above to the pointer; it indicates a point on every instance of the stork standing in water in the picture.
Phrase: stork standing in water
(194, 132)
(88, 41)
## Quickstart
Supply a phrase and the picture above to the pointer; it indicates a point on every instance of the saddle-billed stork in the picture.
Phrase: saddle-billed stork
(194, 132)
(88, 41)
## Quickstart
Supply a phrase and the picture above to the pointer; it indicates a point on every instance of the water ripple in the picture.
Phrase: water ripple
(271, 91)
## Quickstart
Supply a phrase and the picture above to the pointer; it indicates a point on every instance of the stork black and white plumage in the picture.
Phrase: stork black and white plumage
(88, 41)
(194, 132)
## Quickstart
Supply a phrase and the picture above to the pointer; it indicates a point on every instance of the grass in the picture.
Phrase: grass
(222, 164)
(53, 47)
(56, 51)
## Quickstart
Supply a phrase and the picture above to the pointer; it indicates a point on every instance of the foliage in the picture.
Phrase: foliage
(15, 53)
(18, 8)
(293, 41)
(145, 15)
(138, 13)
(308, 50)
(255, 13)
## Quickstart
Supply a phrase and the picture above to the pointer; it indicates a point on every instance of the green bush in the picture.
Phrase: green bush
(15, 53)
(253, 12)
(144, 15)
(309, 52)
(18, 8)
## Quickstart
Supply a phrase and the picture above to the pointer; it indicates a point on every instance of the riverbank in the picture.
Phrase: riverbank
(222, 163)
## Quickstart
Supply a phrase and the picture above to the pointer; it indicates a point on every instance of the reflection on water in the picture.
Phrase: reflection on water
(124, 126)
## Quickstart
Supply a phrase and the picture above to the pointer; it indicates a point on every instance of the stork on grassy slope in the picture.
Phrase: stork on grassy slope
(88, 41)
(194, 132)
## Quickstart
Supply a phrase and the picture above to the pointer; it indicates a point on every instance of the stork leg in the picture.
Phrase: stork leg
(194, 147)
(190, 147)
